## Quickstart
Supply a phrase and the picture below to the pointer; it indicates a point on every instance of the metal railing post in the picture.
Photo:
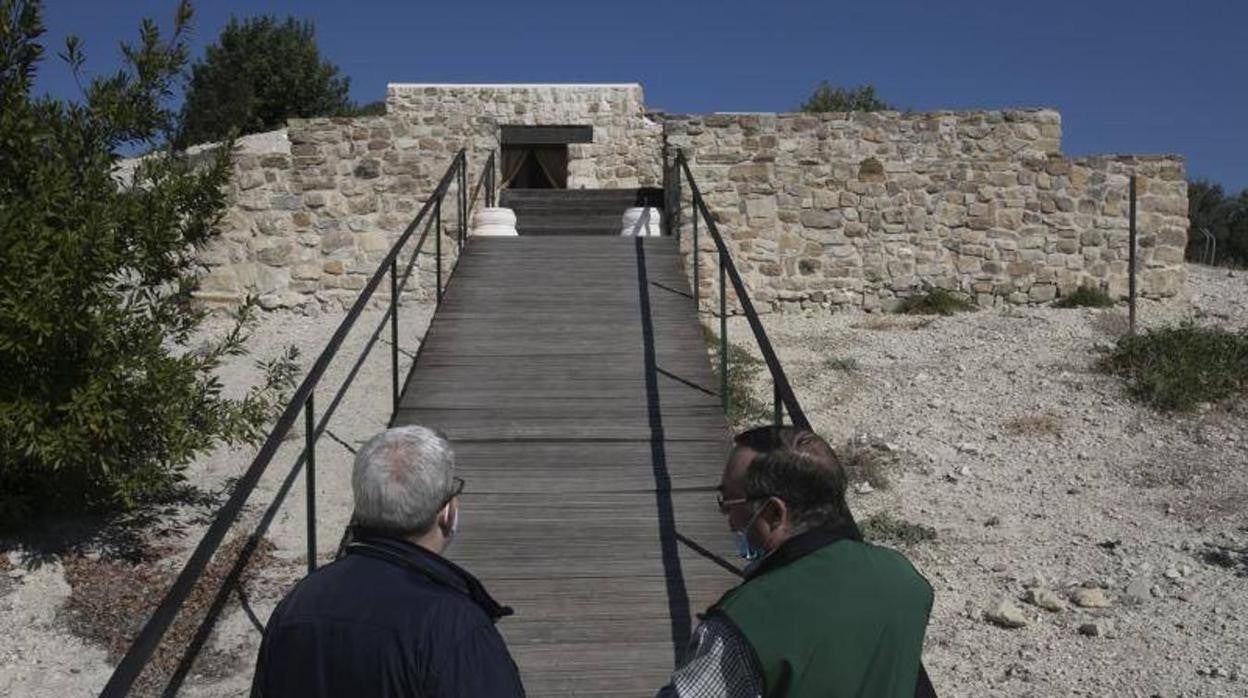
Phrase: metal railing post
(697, 301)
(490, 194)
(463, 201)
(394, 334)
(667, 191)
(1131, 260)
(676, 215)
(309, 430)
(723, 332)
(437, 246)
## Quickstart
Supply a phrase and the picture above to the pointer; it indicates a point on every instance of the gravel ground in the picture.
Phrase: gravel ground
(1035, 471)
(1038, 473)
(35, 661)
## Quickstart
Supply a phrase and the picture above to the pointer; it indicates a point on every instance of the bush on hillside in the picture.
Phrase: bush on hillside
(744, 370)
(102, 404)
(257, 74)
(1225, 216)
(826, 98)
(1178, 368)
(1085, 297)
(934, 301)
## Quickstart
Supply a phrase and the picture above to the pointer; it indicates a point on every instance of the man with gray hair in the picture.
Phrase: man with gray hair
(392, 617)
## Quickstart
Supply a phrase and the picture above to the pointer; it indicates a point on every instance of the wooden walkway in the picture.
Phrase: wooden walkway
(572, 377)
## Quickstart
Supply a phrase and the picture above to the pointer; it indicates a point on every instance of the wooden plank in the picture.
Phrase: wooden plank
(512, 134)
(587, 427)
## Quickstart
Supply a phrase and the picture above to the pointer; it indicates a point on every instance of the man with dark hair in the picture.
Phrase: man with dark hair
(820, 612)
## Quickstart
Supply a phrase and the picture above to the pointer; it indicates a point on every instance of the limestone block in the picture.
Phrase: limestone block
(271, 279)
(336, 240)
(274, 252)
(816, 218)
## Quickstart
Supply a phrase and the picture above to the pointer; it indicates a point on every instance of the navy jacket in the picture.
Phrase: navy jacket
(387, 619)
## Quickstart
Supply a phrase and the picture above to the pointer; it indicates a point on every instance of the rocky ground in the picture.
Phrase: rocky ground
(1108, 533)
(49, 655)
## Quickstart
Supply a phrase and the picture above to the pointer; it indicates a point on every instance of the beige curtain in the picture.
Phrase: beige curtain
(554, 164)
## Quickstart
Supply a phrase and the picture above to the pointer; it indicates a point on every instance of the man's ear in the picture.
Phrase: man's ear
(446, 515)
(776, 514)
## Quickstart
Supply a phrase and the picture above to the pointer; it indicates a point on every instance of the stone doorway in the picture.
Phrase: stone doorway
(535, 166)
(536, 157)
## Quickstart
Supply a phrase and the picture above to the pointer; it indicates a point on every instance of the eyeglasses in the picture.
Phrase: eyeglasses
(725, 504)
(457, 488)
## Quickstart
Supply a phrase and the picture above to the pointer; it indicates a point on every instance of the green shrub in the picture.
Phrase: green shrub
(826, 98)
(257, 74)
(744, 370)
(886, 528)
(1177, 368)
(934, 301)
(1085, 297)
(102, 403)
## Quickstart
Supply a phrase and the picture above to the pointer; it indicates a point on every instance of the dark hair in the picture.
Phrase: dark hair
(766, 439)
(813, 492)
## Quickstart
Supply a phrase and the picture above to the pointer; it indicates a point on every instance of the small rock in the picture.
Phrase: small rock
(1044, 598)
(1172, 573)
(1006, 615)
(964, 471)
(1137, 590)
(992, 521)
(863, 488)
(1094, 629)
(1157, 591)
(969, 449)
(1086, 597)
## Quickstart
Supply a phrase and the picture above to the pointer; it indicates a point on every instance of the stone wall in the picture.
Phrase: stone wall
(626, 144)
(314, 210)
(861, 209)
(820, 210)
(307, 227)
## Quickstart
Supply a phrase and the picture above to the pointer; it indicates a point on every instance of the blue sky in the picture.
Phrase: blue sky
(1136, 76)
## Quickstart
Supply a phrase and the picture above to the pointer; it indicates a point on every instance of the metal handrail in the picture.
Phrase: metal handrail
(783, 396)
(781, 390)
(149, 637)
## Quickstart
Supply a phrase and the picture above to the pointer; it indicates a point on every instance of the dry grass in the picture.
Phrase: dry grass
(1171, 469)
(1043, 424)
(892, 322)
(886, 528)
(110, 600)
(1111, 324)
(866, 462)
(844, 364)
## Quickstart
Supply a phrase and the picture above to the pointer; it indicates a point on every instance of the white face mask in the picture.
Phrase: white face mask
(455, 521)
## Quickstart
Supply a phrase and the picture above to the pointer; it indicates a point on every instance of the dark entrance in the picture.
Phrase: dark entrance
(536, 157)
(535, 166)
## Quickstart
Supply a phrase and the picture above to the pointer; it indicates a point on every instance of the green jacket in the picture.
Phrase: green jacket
(830, 616)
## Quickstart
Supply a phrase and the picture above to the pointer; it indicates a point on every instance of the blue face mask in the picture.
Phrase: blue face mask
(747, 550)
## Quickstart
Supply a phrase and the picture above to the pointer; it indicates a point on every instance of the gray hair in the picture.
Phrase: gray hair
(401, 480)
